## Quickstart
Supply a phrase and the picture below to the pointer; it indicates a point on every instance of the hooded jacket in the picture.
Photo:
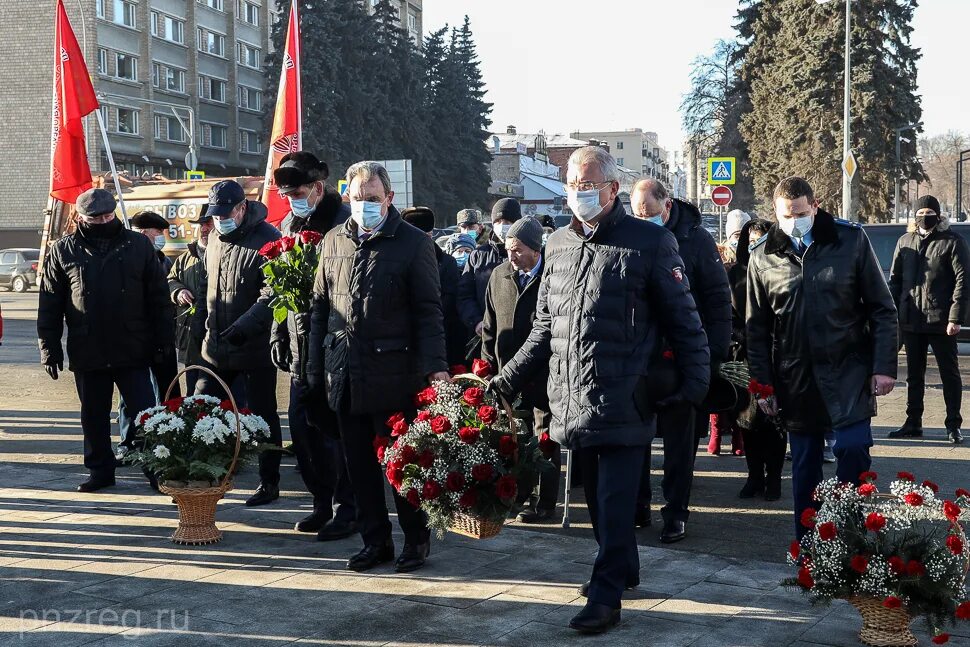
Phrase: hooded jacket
(186, 274)
(474, 279)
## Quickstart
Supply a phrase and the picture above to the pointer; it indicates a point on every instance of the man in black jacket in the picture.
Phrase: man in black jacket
(376, 338)
(510, 308)
(821, 328)
(613, 287)
(237, 319)
(106, 282)
(683, 425)
(929, 285)
(314, 207)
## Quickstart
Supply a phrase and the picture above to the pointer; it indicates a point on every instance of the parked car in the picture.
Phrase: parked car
(18, 268)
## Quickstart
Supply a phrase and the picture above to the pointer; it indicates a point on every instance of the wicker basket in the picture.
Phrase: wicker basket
(475, 527)
(882, 627)
(197, 506)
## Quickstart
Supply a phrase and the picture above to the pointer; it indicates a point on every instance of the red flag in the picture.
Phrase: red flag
(73, 99)
(287, 134)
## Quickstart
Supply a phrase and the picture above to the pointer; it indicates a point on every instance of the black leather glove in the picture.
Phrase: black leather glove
(53, 368)
(234, 336)
(279, 351)
(671, 401)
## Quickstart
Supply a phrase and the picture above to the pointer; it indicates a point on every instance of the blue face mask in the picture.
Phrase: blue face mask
(461, 259)
(471, 232)
(366, 214)
(224, 225)
(657, 220)
(301, 206)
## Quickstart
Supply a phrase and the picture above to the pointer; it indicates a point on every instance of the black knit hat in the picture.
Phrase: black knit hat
(928, 202)
(506, 209)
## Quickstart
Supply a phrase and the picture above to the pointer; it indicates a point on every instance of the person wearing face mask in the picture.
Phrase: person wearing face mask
(612, 287)
(153, 226)
(732, 228)
(377, 337)
(487, 256)
(470, 223)
(460, 246)
(237, 319)
(106, 282)
(821, 331)
(928, 281)
(682, 424)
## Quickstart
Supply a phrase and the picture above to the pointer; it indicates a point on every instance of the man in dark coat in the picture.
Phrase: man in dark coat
(929, 285)
(821, 330)
(184, 287)
(613, 286)
(314, 207)
(683, 425)
(376, 338)
(237, 317)
(107, 283)
(510, 309)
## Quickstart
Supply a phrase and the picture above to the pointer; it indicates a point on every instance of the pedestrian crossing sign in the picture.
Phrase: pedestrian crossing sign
(721, 170)
(342, 186)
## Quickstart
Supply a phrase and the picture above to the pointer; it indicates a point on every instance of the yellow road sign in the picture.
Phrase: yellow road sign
(849, 165)
(195, 176)
(721, 170)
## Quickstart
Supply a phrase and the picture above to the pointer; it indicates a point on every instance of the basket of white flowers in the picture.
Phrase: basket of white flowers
(194, 445)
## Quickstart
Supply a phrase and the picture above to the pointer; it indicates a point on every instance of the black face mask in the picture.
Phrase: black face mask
(101, 230)
(927, 222)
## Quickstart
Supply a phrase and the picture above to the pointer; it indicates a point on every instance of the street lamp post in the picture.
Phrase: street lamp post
(846, 127)
(899, 137)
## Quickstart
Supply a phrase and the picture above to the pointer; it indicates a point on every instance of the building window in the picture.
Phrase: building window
(99, 8)
(168, 28)
(168, 129)
(125, 13)
(619, 146)
(250, 98)
(619, 161)
(249, 142)
(248, 55)
(248, 12)
(212, 43)
(212, 89)
(213, 4)
(213, 136)
(168, 78)
(126, 67)
(102, 61)
(412, 22)
(127, 121)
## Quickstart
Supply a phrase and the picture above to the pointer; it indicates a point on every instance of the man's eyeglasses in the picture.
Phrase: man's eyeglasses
(586, 186)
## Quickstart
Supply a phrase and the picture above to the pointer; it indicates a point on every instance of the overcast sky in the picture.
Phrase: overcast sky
(563, 65)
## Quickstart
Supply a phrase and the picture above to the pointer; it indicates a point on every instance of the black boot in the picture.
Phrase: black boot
(313, 522)
(413, 556)
(595, 619)
(265, 493)
(752, 488)
(371, 556)
(95, 483)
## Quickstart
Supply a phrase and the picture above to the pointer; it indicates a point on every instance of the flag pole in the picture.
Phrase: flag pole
(114, 171)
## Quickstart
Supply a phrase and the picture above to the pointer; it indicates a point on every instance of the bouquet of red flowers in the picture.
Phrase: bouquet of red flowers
(290, 268)
(461, 455)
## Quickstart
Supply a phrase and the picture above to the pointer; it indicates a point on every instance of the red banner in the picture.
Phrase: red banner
(73, 99)
(287, 134)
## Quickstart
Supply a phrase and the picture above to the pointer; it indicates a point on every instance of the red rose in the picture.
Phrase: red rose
(795, 549)
(506, 445)
(426, 397)
(859, 563)
(455, 481)
(424, 416)
(915, 568)
(393, 420)
(827, 531)
(913, 499)
(955, 544)
(395, 475)
(547, 445)
(963, 611)
(897, 565)
(931, 485)
(941, 639)
(458, 369)
(487, 414)
(431, 491)
(173, 404)
(474, 396)
(867, 476)
(805, 578)
(481, 368)
(951, 510)
(202, 414)
(381, 452)
(482, 472)
(426, 460)
(400, 428)
(381, 442)
(469, 434)
(287, 243)
(892, 602)
(144, 416)
(506, 487)
(961, 492)
(866, 489)
(668, 355)
(414, 498)
(808, 517)
(767, 390)
(310, 237)
(225, 405)
(875, 522)
(246, 411)
(468, 499)
(270, 250)
(905, 476)
(409, 455)
(440, 424)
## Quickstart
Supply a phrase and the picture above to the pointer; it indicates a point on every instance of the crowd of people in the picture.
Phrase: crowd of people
(609, 331)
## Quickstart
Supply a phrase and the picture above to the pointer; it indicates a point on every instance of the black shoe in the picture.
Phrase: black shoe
(264, 494)
(673, 532)
(751, 489)
(96, 483)
(584, 588)
(538, 515)
(906, 431)
(955, 436)
(152, 479)
(773, 490)
(336, 529)
(371, 556)
(313, 522)
(595, 619)
(642, 517)
(413, 556)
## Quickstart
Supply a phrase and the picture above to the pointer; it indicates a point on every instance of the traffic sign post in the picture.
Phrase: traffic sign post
(722, 196)
(721, 170)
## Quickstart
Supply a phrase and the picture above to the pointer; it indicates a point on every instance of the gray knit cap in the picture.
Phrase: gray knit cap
(527, 231)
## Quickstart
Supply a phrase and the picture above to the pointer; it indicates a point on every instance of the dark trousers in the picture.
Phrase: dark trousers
(682, 427)
(611, 479)
(163, 373)
(548, 482)
(238, 387)
(357, 433)
(945, 349)
(95, 389)
(261, 396)
(321, 460)
(851, 450)
(764, 450)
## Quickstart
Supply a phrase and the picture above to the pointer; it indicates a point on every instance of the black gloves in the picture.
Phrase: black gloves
(53, 367)
(279, 351)
(499, 386)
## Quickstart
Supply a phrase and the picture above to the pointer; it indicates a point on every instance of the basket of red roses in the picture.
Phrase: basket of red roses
(893, 556)
(461, 459)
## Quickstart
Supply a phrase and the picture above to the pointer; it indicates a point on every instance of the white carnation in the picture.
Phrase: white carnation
(162, 452)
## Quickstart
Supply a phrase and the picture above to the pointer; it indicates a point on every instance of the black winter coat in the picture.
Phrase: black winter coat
(819, 327)
(330, 212)
(115, 303)
(706, 275)
(456, 334)
(474, 280)
(376, 329)
(509, 316)
(186, 274)
(928, 281)
(604, 303)
(236, 294)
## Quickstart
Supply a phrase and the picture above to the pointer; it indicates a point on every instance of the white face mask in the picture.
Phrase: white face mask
(502, 230)
(796, 227)
(585, 204)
